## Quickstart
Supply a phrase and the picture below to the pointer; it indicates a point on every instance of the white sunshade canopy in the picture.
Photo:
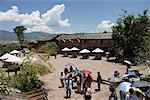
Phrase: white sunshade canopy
(127, 62)
(6, 56)
(84, 51)
(66, 49)
(98, 50)
(74, 49)
(13, 59)
(14, 52)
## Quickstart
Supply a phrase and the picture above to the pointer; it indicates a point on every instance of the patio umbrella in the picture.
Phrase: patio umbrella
(141, 84)
(98, 50)
(74, 49)
(66, 49)
(69, 64)
(84, 51)
(127, 62)
(124, 86)
(130, 74)
(14, 52)
(5, 56)
(86, 72)
(14, 59)
(76, 72)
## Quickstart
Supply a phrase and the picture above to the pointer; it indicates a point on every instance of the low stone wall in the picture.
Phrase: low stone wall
(14, 96)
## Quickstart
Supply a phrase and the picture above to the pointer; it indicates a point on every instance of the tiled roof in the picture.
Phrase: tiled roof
(69, 36)
(48, 37)
(85, 36)
(97, 36)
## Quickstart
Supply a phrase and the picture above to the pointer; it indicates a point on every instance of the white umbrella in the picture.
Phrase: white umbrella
(13, 59)
(66, 49)
(84, 51)
(124, 86)
(127, 62)
(97, 50)
(6, 56)
(14, 52)
(74, 49)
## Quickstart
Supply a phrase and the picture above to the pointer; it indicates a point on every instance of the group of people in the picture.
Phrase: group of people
(129, 96)
(71, 78)
(124, 95)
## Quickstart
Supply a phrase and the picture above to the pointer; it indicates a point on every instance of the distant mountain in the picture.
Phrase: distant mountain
(6, 35)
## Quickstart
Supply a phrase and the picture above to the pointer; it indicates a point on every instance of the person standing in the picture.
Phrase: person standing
(122, 95)
(99, 80)
(131, 95)
(89, 80)
(88, 93)
(113, 95)
(78, 84)
(68, 86)
(83, 78)
(55, 54)
(71, 69)
(62, 77)
(66, 71)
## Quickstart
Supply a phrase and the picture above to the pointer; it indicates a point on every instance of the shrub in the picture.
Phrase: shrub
(3, 83)
(145, 78)
(27, 79)
(48, 48)
(8, 48)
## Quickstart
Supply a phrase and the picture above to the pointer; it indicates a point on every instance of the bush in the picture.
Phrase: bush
(3, 83)
(48, 48)
(8, 48)
(38, 69)
(27, 80)
(145, 78)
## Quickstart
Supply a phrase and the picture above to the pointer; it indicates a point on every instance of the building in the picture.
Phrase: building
(85, 40)
(96, 40)
(43, 40)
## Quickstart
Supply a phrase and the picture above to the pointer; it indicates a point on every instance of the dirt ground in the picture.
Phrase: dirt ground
(107, 69)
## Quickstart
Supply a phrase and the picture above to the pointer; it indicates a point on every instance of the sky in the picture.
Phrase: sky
(66, 16)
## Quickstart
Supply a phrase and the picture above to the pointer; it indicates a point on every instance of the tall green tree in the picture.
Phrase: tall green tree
(19, 30)
(131, 34)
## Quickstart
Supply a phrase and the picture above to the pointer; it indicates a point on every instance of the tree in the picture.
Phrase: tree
(8, 48)
(48, 48)
(19, 30)
(131, 35)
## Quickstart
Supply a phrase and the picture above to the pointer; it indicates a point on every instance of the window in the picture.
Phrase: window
(102, 41)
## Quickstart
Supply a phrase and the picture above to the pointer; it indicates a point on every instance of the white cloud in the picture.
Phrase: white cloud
(105, 25)
(37, 21)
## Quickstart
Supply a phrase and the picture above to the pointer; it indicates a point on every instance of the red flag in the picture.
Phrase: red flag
(64, 40)
(78, 40)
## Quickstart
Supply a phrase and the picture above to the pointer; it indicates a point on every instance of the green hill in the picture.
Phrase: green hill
(6, 35)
